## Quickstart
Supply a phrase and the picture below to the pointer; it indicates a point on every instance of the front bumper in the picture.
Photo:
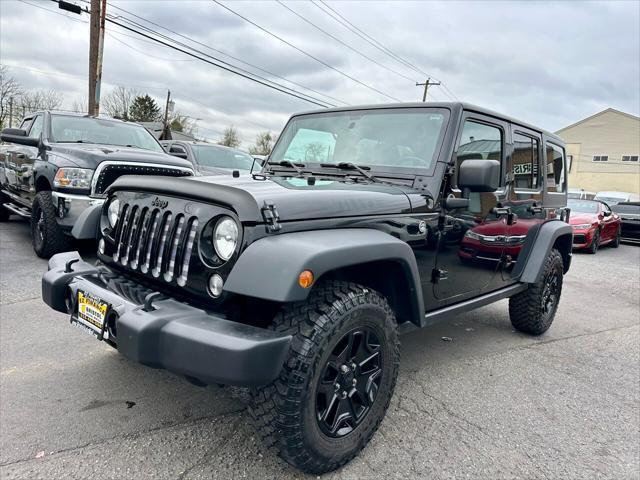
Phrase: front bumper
(583, 238)
(165, 333)
(69, 207)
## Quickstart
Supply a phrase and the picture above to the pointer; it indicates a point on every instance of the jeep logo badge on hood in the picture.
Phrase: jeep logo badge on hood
(159, 203)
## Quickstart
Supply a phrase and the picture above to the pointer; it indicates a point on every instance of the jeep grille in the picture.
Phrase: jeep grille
(155, 241)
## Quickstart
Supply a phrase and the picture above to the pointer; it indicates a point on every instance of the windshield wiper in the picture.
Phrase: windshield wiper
(288, 163)
(76, 141)
(352, 166)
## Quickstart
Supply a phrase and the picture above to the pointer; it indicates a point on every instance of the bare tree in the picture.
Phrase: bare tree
(118, 103)
(10, 91)
(264, 144)
(32, 101)
(230, 138)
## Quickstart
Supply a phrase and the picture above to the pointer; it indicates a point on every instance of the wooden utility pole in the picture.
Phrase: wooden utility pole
(165, 128)
(10, 112)
(96, 44)
(426, 85)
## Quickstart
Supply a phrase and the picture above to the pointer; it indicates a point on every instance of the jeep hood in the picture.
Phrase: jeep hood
(90, 155)
(293, 198)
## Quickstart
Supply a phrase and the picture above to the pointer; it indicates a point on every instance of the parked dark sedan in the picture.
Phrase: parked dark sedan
(210, 159)
(629, 213)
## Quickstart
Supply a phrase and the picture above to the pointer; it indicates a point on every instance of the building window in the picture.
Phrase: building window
(569, 162)
(630, 158)
(601, 158)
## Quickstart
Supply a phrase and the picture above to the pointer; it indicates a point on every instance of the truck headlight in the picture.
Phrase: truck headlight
(68, 177)
(225, 237)
(113, 211)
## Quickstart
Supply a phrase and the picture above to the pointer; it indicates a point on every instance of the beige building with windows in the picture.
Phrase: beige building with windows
(602, 152)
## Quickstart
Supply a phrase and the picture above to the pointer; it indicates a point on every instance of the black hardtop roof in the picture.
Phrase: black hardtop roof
(453, 106)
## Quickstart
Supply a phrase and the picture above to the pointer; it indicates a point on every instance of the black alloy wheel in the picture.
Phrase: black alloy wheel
(349, 382)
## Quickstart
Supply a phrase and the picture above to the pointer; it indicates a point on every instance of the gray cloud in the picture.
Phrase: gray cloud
(549, 63)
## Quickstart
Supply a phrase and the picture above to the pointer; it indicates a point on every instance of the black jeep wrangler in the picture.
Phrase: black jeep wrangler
(296, 281)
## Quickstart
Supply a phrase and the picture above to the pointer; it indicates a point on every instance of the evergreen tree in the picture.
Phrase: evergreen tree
(144, 109)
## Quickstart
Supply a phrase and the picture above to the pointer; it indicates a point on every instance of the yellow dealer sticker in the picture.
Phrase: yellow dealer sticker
(91, 311)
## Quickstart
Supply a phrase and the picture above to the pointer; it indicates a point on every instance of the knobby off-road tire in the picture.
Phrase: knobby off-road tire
(533, 310)
(46, 236)
(4, 213)
(294, 414)
(595, 243)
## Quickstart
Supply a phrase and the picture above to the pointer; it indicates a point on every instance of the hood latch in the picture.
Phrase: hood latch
(271, 217)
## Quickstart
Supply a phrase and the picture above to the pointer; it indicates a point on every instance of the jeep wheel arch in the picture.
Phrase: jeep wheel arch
(552, 234)
(354, 254)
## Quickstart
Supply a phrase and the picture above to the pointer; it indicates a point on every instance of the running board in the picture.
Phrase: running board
(22, 211)
(453, 311)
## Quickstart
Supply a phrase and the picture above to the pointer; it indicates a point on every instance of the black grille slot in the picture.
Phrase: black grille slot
(110, 173)
(155, 242)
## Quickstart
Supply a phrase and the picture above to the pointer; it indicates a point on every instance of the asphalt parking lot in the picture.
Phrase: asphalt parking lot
(490, 404)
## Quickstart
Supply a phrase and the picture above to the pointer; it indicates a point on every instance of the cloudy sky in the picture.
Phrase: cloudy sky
(548, 63)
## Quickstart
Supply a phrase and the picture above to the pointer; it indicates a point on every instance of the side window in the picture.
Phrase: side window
(36, 127)
(606, 209)
(525, 165)
(555, 180)
(479, 141)
(26, 124)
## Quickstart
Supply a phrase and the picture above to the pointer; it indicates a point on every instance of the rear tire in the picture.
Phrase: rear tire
(595, 243)
(616, 241)
(533, 310)
(344, 341)
(46, 236)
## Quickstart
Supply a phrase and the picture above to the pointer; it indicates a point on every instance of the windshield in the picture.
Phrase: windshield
(376, 138)
(582, 206)
(69, 129)
(220, 157)
(610, 200)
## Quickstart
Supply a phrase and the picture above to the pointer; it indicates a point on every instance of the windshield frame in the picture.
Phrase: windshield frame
(111, 120)
(376, 170)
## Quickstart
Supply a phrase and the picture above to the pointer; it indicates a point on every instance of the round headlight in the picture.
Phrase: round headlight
(225, 237)
(113, 211)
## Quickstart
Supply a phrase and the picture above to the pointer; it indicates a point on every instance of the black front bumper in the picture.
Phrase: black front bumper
(166, 333)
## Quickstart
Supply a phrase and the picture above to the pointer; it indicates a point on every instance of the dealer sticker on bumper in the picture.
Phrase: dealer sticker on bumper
(91, 313)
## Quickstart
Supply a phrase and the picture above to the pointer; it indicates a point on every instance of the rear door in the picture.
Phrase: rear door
(20, 160)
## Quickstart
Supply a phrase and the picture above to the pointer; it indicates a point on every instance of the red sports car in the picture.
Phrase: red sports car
(594, 224)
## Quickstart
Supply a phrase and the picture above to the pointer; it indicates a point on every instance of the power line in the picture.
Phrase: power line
(53, 11)
(148, 54)
(298, 95)
(372, 41)
(233, 69)
(303, 18)
(225, 54)
(306, 53)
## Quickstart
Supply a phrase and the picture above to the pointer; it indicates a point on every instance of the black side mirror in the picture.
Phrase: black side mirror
(16, 135)
(479, 175)
(177, 152)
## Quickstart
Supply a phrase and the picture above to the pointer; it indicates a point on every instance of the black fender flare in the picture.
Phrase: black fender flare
(269, 267)
(87, 226)
(552, 233)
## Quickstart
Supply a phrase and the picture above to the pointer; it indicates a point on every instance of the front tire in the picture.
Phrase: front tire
(46, 236)
(595, 243)
(533, 310)
(337, 381)
(616, 241)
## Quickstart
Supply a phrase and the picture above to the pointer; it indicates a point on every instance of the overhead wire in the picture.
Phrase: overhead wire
(304, 52)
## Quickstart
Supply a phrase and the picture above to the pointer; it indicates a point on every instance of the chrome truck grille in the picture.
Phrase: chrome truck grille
(155, 241)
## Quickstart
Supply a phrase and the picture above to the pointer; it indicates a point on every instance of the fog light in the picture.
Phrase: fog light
(101, 246)
(215, 285)
(305, 279)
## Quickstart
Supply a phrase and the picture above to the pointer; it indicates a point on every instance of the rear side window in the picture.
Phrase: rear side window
(525, 162)
(555, 179)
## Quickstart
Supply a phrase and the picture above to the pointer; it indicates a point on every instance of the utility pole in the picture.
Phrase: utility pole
(10, 112)
(96, 45)
(166, 135)
(426, 85)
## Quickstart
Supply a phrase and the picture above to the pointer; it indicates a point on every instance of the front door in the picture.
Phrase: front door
(20, 160)
(472, 240)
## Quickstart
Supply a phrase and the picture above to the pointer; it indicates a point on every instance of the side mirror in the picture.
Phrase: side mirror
(176, 152)
(606, 214)
(479, 175)
(16, 135)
